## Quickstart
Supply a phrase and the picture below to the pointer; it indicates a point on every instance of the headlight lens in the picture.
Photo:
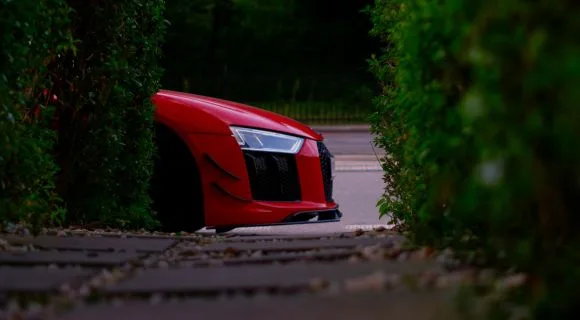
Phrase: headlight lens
(259, 140)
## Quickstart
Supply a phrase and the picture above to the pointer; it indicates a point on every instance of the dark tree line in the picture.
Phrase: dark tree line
(270, 50)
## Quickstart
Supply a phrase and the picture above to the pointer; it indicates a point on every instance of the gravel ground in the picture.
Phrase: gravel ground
(186, 253)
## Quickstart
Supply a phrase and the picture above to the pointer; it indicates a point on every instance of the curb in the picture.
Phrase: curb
(357, 158)
(342, 128)
(353, 162)
(358, 169)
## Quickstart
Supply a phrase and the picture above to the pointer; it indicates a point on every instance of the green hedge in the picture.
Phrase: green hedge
(480, 118)
(26, 167)
(101, 163)
(105, 119)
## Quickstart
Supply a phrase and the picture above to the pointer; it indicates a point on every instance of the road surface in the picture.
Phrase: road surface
(350, 143)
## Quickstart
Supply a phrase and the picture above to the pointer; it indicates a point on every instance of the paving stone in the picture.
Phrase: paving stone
(254, 238)
(376, 306)
(282, 257)
(298, 244)
(291, 276)
(93, 243)
(126, 235)
(39, 279)
(96, 259)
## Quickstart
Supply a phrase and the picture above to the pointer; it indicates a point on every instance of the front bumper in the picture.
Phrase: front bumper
(244, 188)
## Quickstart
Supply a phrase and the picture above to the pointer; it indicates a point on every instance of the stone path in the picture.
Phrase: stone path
(370, 275)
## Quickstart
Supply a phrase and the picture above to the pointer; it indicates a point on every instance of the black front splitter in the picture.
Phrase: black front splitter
(310, 217)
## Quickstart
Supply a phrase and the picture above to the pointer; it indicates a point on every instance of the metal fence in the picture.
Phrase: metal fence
(314, 99)
(319, 113)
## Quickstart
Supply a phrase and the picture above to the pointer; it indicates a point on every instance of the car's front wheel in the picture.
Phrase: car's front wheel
(176, 189)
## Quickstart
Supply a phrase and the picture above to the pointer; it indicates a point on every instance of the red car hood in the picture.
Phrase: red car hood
(239, 114)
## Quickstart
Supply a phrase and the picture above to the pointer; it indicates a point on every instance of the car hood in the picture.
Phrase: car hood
(238, 114)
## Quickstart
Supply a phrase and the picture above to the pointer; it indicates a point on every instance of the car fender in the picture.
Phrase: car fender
(203, 124)
(183, 117)
(199, 114)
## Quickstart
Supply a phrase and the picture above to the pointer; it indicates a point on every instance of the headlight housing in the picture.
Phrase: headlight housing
(332, 165)
(260, 140)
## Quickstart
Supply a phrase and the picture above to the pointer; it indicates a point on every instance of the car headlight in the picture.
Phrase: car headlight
(260, 140)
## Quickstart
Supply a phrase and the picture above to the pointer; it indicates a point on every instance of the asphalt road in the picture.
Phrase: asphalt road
(350, 143)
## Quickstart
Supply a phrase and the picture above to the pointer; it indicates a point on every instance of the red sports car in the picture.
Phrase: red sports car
(223, 165)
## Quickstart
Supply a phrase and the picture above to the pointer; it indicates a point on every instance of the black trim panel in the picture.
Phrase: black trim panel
(325, 158)
(325, 216)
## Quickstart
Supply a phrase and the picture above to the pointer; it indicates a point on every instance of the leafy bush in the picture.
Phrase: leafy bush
(100, 115)
(105, 116)
(26, 167)
(479, 116)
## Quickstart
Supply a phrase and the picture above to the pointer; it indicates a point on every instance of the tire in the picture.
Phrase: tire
(176, 189)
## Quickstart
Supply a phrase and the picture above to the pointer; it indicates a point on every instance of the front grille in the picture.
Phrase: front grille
(273, 176)
(326, 166)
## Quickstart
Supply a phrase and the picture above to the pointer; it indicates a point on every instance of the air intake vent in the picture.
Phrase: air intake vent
(273, 176)
(326, 166)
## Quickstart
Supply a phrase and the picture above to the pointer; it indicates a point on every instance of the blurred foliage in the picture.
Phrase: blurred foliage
(270, 50)
(105, 116)
(75, 115)
(479, 116)
(26, 167)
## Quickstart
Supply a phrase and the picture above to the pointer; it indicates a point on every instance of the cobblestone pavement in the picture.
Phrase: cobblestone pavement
(79, 274)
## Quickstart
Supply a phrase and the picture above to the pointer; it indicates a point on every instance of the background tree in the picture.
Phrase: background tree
(266, 52)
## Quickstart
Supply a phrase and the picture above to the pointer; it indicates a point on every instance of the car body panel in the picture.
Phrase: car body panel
(200, 114)
(203, 124)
